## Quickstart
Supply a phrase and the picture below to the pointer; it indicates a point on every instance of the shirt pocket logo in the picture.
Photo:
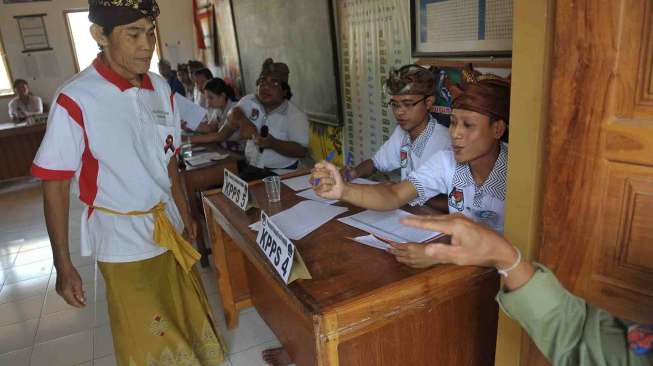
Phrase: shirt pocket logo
(457, 199)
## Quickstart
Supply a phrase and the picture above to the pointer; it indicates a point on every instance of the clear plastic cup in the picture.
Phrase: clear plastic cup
(273, 188)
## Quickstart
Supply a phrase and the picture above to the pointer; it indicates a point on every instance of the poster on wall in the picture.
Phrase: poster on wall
(461, 27)
(373, 36)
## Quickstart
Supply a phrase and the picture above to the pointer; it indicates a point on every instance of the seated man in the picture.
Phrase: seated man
(418, 136)
(166, 71)
(566, 329)
(472, 173)
(24, 104)
(276, 129)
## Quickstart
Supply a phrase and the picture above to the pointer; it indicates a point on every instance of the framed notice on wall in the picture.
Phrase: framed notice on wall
(461, 27)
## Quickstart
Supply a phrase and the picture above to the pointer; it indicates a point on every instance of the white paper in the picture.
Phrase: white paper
(282, 171)
(298, 183)
(205, 158)
(190, 112)
(385, 224)
(311, 195)
(372, 241)
(303, 218)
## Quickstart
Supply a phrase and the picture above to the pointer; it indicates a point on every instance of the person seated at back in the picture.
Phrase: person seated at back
(221, 99)
(201, 76)
(183, 74)
(171, 77)
(24, 104)
(472, 173)
(418, 136)
(276, 130)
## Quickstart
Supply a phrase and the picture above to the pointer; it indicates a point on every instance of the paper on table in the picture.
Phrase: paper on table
(386, 225)
(364, 181)
(190, 112)
(303, 218)
(311, 195)
(372, 241)
(298, 183)
(282, 171)
(205, 158)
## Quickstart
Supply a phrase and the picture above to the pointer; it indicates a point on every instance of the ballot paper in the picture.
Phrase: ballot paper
(298, 183)
(385, 224)
(364, 181)
(205, 158)
(311, 195)
(190, 112)
(372, 241)
(303, 218)
(282, 171)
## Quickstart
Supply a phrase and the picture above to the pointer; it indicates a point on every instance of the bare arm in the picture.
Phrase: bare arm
(56, 196)
(383, 197)
(365, 169)
(177, 189)
(286, 148)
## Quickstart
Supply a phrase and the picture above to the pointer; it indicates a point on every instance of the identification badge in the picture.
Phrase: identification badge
(235, 189)
(278, 249)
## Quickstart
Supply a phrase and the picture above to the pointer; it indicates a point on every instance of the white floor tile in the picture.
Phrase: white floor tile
(252, 356)
(20, 311)
(28, 272)
(17, 336)
(102, 342)
(105, 361)
(10, 246)
(38, 243)
(24, 289)
(7, 261)
(210, 282)
(34, 255)
(66, 351)
(251, 331)
(16, 358)
(68, 322)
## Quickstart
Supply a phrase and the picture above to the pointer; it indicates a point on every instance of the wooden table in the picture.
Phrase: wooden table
(201, 178)
(361, 307)
(18, 146)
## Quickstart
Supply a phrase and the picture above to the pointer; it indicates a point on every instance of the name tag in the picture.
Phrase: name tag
(235, 189)
(278, 249)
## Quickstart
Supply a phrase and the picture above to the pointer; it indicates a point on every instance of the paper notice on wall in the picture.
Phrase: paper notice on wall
(48, 65)
(174, 55)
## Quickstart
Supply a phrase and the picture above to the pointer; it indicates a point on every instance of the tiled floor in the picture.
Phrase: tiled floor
(38, 328)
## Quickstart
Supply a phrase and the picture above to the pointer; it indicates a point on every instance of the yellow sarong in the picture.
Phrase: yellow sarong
(159, 312)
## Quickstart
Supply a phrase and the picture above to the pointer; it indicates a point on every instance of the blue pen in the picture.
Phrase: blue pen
(316, 182)
(350, 162)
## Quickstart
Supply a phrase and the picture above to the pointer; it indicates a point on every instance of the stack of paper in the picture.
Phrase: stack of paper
(298, 183)
(385, 224)
(311, 195)
(372, 241)
(303, 218)
(364, 181)
(205, 158)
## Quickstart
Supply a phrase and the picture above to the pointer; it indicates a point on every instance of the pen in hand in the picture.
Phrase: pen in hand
(316, 182)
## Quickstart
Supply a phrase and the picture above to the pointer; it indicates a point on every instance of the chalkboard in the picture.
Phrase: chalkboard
(299, 33)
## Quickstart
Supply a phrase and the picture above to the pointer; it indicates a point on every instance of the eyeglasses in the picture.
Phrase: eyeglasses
(274, 83)
(404, 105)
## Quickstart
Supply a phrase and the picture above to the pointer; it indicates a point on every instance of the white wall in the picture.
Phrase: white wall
(175, 28)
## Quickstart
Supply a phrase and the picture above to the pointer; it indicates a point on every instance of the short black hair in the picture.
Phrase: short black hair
(286, 88)
(18, 82)
(217, 86)
(204, 72)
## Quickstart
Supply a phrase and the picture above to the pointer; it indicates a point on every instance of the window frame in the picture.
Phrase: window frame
(5, 60)
(72, 43)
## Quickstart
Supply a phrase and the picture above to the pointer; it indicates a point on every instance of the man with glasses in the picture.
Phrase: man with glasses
(417, 136)
(276, 130)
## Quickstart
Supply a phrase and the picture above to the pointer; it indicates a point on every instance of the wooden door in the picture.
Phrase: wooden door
(597, 232)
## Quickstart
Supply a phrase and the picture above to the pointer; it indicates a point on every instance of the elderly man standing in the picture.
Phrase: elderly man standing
(114, 130)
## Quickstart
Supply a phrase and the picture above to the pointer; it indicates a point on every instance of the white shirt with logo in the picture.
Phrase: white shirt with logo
(18, 109)
(115, 141)
(287, 123)
(400, 152)
(442, 174)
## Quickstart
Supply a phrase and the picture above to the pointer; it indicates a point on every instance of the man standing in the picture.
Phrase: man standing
(24, 104)
(115, 130)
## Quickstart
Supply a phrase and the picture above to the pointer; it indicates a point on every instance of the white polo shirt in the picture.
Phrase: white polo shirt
(400, 152)
(18, 109)
(287, 123)
(442, 174)
(116, 141)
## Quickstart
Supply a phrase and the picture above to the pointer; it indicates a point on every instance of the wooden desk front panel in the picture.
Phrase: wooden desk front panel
(17, 150)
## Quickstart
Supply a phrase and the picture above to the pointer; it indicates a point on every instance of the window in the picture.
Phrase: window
(84, 46)
(5, 76)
